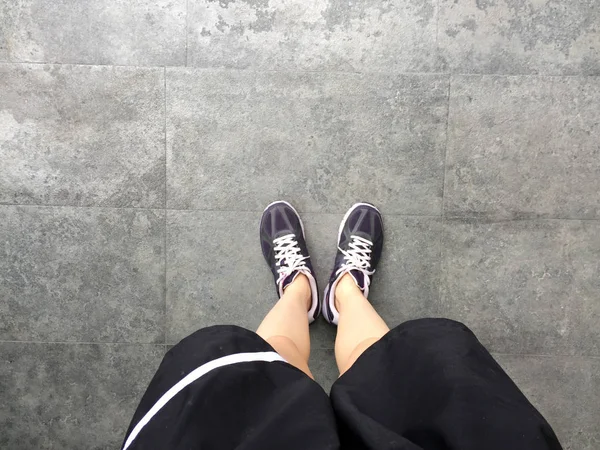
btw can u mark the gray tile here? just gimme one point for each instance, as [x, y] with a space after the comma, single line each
[82, 135]
[3, 42]
[321, 237]
[565, 390]
[321, 234]
[71, 396]
[523, 147]
[214, 279]
[406, 285]
[509, 36]
[320, 35]
[216, 273]
[322, 334]
[525, 286]
[323, 367]
[79, 274]
[138, 32]
[239, 140]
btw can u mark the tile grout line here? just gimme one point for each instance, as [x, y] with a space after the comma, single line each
[165, 134]
[165, 214]
[300, 211]
[437, 29]
[448, 219]
[165, 287]
[440, 303]
[480, 220]
[542, 355]
[25, 205]
[168, 344]
[442, 267]
[445, 161]
[187, 8]
[8, 341]
[325, 72]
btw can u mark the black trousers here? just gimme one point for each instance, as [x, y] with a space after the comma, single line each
[428, 384]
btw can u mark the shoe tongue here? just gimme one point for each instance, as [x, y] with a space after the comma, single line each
[359, 278]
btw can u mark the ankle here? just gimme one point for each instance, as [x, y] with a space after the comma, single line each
[346, 288]
[300, 289]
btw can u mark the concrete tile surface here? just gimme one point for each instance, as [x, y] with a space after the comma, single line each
[523, 147]
[525, 286]
[323, 367]
[82, 135]
[231, 144]
[71, 396]
[316, 35]
[566, 390]
[122, 32]
[214, 274]
[3, 46]
[406, 284]
[212, 278]
[131, 187]
[558, 37]
[208, 283]
[81, 275]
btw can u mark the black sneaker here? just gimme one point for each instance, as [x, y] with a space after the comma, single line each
[360, 241]
[284, 248]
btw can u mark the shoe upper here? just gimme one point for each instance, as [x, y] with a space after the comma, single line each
[360, 243]
[284, 248]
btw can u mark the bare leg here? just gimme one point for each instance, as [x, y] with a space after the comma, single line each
[359, 325]
[285, 327]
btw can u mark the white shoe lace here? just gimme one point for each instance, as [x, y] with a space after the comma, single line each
[288, 252]
[357, 257]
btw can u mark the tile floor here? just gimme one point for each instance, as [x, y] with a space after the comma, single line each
[140, 140]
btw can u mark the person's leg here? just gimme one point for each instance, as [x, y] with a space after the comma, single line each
[285, 327]
[345, 304]
[284, 248]
[359, 325]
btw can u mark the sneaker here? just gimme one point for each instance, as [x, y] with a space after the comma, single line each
[284, 248]
[360, 241]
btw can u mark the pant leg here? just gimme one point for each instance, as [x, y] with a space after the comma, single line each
[429, 384]
[225, 388]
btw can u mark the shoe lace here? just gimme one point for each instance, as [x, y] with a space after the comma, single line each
[357, 257]
[288, 256]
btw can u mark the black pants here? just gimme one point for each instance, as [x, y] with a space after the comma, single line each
[428, 384]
